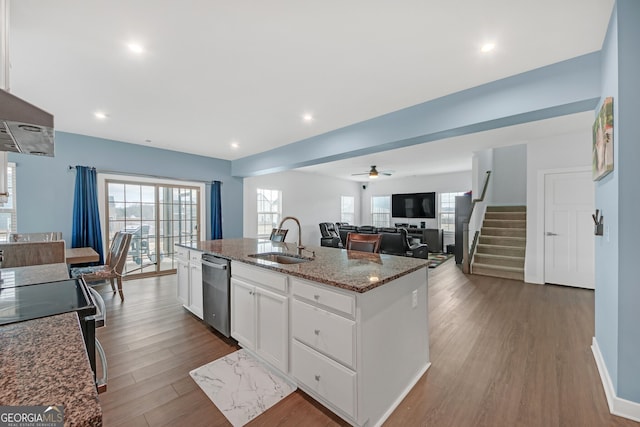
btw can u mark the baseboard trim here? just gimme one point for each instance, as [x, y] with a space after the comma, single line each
[404, 393]
[617, 406]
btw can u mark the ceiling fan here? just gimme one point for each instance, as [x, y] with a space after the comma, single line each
[373, 173]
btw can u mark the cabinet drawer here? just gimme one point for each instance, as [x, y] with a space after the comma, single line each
[260, 276]
[182, 253]
[195, 256]
[326, 332]
[325, 297]
[328, 379]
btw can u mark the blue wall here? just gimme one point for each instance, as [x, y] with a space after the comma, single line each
[45, 185]
[606, 247]
[617, 289]
[628, 132]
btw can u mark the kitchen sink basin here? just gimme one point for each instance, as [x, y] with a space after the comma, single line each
[281, 258]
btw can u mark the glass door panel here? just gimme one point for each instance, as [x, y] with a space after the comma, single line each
[158, 216]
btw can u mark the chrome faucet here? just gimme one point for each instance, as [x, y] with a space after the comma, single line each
[300, 247]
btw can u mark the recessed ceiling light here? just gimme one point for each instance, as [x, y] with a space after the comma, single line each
[135, 48]
[100, 115]
[307, 117]
[487, 47]
[235, 145]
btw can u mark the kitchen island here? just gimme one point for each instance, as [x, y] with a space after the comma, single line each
[44, 361]
[349, 328]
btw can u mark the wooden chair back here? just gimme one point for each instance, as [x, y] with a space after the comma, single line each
[22, 254]
[363, 242]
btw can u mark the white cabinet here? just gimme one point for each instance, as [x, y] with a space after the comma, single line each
[355, 353]
[359, 353]
[260, 314]
[182, 274]
[189, 278]
[272, 338]
[324, 344]
[243, 313]
[195, 289]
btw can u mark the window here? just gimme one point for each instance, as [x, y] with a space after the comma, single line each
[348, 209]
[381, 211]
[8, 214]
[269, 211]
[158, 215]
[448, 211]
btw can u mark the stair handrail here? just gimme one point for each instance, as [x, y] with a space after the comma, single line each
[467, 253]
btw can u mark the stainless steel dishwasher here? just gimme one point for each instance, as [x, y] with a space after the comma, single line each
[216, 279]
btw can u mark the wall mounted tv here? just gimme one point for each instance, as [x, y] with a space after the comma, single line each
[414, 205]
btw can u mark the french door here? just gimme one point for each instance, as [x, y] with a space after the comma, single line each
[158, 215]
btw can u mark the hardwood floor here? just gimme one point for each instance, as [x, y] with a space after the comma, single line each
[503, 353]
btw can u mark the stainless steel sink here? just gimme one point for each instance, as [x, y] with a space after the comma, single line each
[281, 258]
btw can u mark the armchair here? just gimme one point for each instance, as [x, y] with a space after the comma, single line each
[329, 235]
[396, 242]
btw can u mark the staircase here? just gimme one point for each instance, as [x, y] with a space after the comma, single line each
[501, 246]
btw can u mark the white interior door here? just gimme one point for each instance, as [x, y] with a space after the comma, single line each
[569, 238]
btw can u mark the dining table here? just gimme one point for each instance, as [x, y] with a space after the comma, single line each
[81, 255]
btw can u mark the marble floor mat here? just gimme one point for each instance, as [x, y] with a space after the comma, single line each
[240, 386]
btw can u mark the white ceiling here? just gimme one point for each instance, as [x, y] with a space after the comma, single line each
[214, 72]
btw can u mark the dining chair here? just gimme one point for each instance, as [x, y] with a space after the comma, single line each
[278, 234]
[23, 254]
[363, 242]
[114, 265]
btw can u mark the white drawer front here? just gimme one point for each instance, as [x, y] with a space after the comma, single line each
[329, 379]
[326, 332]
[182, 253]
[323, 296]
[260, 276]
[195, 256]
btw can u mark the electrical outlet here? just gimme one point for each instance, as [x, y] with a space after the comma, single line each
[414, 299]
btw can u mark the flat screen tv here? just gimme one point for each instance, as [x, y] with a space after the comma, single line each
[414, 205]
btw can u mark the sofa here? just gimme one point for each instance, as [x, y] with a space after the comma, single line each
[394, 240]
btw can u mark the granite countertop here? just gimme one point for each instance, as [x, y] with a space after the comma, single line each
[44, 362]
[20, 276]
[352, 270]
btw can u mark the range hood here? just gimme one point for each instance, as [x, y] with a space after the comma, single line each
[24, 128]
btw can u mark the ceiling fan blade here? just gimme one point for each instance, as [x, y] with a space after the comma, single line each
[385, 173]
[356, 174]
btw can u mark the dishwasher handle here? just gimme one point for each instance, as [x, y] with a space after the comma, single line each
[218, 266]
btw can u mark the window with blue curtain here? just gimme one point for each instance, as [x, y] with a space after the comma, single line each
[86, 217]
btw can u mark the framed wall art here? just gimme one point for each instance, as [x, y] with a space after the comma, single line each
[603, 141]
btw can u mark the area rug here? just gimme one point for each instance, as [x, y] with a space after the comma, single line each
[240, 386]
[437, 259]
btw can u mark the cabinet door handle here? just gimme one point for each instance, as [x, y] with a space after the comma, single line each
[317, 377]
[317, 331]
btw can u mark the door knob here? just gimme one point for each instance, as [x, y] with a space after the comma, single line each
[548, 233]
